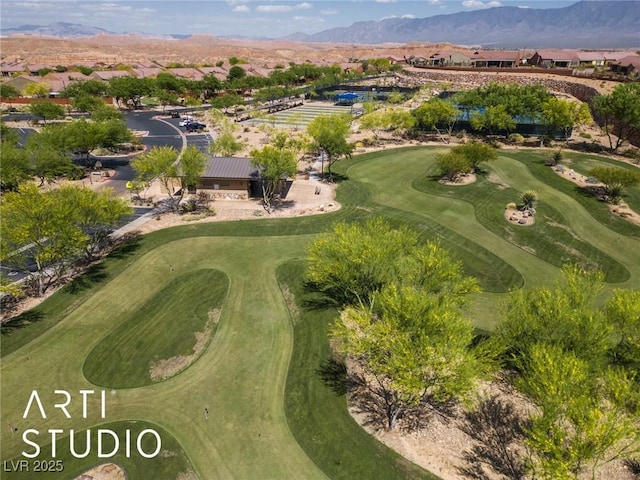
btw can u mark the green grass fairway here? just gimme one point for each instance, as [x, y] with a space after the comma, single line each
[123, 358]
[276, 408]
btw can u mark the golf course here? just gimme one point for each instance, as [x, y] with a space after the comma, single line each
[206, 334]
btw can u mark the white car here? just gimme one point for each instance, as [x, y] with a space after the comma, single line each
[185, 122]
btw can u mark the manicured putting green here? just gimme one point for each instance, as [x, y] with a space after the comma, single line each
[164, 328]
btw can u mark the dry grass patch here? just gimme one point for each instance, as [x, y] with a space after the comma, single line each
[162, 369]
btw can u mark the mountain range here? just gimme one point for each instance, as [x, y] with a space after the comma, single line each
[587, 24]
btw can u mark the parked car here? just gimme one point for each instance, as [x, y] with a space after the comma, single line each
[185, 122]
[195, 126]
[175, 115]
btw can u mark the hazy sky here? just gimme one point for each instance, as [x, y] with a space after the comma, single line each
[266, 18]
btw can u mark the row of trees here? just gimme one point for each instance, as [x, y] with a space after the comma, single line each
[55, 229]
[169, 89]
[55, 150]
[402, 326]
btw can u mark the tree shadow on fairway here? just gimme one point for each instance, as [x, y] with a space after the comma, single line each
[335, 178]
[94, 275]
[334, 375]
[496, 429]
[129, 244]
[21, 321]
[317, 301]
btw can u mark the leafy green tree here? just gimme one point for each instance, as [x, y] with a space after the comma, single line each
[190, 170]
[236, 73]
[354, 261]
[494, 118]
[210, 85]
[169, 83]
[105, 112]
[95, 213]
[8, 135]
[42, 222]
[86, 103]
[439, 115]
[159, 163]
[402, 322]
[412, 345]
[561, 315]
[14, 166]
[46, 110]
[453, 164]
[226, 101]
[329, 135]
[623, 311]
[44, 71]
[581, 419]
[48, 164]
[564, 115]
[477, 153]
[130, 89]
[275, 165]
[226, 144]
[8, 92]
[619, 111]
[91, 87]
[37, 90]
[615, 180]
[166, 98]
[83, 69]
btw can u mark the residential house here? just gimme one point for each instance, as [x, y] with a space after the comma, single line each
[590, 59]
[628, 66]
[20, 82]
[555, 59]
[10, 69]
[611, 58]
[106, 75]
[58, 81]
[447, 59]
[147, 72]
[495, 58]
[186, 72]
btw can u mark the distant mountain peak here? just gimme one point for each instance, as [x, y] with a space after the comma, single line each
[585, 24]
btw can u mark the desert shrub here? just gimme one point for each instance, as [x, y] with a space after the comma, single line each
[511, 205]
[632, 153]
[586, 135]
[191, 217]
[189, 206]
[516, 138]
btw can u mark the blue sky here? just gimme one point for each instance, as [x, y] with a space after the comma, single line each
[267, 18]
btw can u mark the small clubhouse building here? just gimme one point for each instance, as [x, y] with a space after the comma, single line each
[230, 178]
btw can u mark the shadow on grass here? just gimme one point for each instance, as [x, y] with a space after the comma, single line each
[495, 428]
[128, 246]
[94, 275]
[334, 375]
[21, 321]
